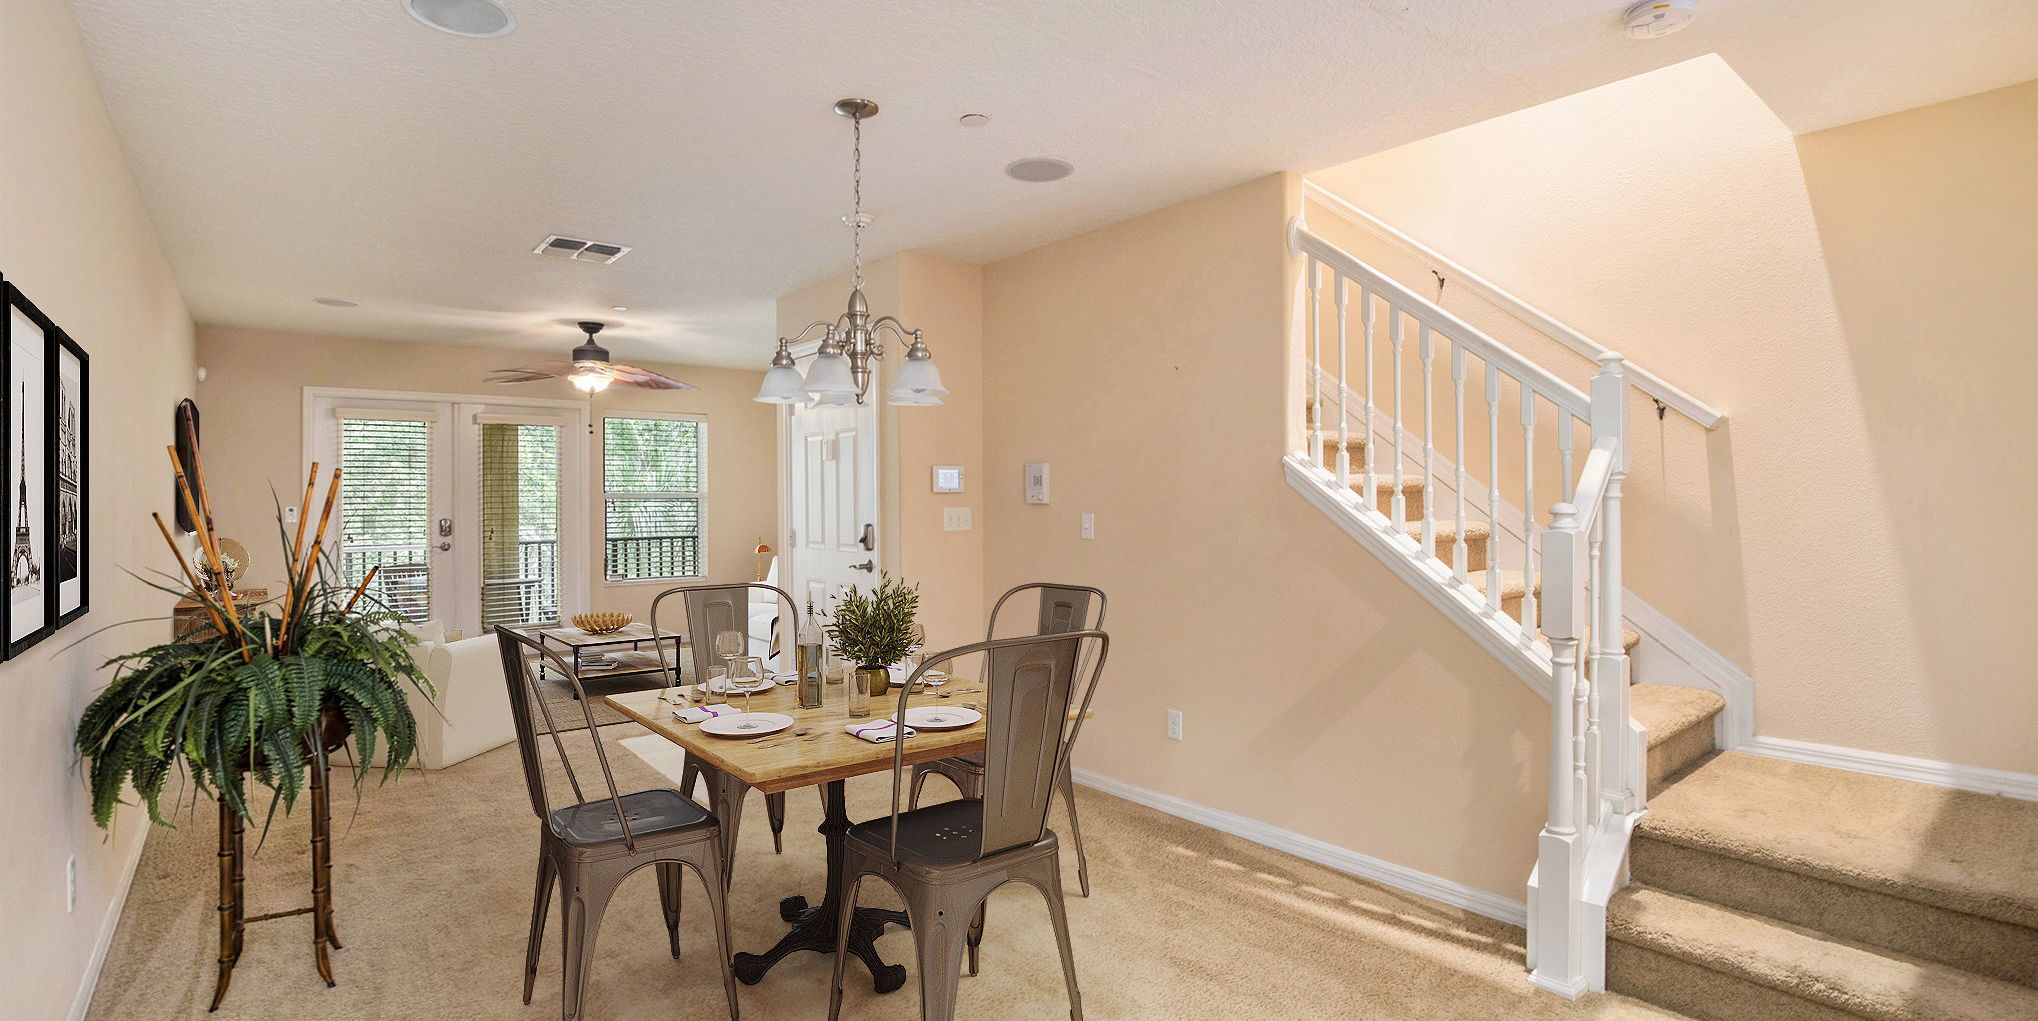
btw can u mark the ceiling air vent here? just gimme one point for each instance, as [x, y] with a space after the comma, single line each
[582, 251]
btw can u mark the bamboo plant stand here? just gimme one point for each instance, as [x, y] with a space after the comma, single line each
[233, 917]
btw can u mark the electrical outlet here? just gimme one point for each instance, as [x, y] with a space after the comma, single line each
[955, 519]
[289, 515]
[71, 883]
[1174, 724]
[1089, 526]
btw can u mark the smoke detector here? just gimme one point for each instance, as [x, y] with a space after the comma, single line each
[1653, 18]
[579, 250]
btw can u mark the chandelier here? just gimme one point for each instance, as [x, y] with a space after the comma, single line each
[850, 349]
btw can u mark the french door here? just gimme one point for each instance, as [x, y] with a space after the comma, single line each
[466, 511]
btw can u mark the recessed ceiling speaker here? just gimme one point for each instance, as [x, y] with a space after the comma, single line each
[475, 19]
[1039, 169]
[1653, 18]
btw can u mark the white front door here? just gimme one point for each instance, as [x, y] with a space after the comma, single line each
[469, 513]
[832, 525]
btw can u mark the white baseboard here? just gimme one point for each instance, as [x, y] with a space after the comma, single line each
[109, 923]
[2023, 786]
[1386, 873]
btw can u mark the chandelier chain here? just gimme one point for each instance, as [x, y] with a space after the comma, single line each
[856, 178]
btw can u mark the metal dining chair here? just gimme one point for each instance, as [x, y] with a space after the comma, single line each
[711, 610]
[1063, 608]
[946, 859]
[589, 846]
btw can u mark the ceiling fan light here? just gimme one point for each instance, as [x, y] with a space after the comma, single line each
[829, 375]
[589, 383]
[782, 385]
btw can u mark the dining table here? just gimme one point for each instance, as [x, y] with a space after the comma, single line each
[826, 756]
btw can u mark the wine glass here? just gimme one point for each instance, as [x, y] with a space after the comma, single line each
[747, 672]
[916, 640]
[729, 645]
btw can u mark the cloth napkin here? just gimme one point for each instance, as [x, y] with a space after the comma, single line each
[876, 731]
[697, 713]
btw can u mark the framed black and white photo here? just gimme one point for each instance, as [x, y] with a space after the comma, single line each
[69, 404]
[29, 338]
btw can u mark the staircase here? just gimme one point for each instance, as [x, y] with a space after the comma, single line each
[1715, 883]
[1773, 889]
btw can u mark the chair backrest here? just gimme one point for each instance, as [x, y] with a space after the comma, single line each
[1063, 608]
[1036, 694]
[521, 658]
[711, 610]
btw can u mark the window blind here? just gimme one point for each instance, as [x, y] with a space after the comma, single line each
[519, 486]
[386, 510]
[653, 472]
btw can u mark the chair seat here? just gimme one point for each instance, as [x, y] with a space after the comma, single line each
[650, 813]
[949, 833]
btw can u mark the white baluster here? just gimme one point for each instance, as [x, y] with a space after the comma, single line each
[1493, 486]
[1344, 456]
[1528, 512]
[1595, 740]
[1624, 757]
[1372, 449]
[1429, 448]
[1564, 420]
[1316, 367]
[1458, 554]
[1400, 514]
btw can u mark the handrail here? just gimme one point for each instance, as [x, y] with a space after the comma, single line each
[1642, 379]
[1593, 481]
[1422, 310]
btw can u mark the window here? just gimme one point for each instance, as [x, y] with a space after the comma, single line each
[386, 508]
[519, 488]
[654, 479]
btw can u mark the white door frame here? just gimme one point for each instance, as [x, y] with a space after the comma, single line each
[320, 440]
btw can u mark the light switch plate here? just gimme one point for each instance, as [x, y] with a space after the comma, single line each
[1036, 482]
[948, 478]
[1089, 526]
[955, 519]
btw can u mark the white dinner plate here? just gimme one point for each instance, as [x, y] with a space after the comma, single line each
[940, 717]
[746, 724]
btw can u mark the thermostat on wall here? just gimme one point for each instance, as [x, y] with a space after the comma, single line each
[948, 478]
[1036, 482]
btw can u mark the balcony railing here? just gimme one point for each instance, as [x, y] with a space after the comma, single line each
[652, 556]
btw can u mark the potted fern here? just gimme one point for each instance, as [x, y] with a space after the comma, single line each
[875, 630]
[264, 694]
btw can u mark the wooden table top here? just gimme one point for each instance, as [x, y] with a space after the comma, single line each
[573, 637]
[832, 754]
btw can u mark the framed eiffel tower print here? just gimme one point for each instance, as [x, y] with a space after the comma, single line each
[70, 440]
[30, 336]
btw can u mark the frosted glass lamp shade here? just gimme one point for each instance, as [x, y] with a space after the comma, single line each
[834, 400]
[918, 378]
[590, 382]
[782, 385]
[830, 375]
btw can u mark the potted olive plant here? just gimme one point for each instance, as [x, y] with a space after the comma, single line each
[875, 630]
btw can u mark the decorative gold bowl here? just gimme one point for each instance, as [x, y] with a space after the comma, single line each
[606, 623]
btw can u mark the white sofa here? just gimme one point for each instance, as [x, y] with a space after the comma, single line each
[473, 712]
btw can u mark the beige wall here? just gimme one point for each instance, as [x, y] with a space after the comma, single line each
[1144, 361]
[1856, 301]
[76, 239]
[253, 402]
[942, 298]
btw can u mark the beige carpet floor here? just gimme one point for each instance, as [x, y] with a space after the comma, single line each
[433, 886]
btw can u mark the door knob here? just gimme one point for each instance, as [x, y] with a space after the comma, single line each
[869, 539]
[868, 565]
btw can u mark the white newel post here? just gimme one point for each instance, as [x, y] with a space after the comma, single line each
[1560, 848]
[1623, 759]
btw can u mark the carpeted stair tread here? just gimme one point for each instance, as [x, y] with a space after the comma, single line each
[1668, 710]
[1447, 530]
[1384, 483]
[1845, 977]
[1513, 584]
[1958, 850]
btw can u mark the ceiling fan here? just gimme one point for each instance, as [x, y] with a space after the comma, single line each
[590, 370]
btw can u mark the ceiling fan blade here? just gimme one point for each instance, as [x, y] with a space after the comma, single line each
[532, 373]
[645, 379]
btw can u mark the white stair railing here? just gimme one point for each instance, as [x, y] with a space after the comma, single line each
[1562, 631]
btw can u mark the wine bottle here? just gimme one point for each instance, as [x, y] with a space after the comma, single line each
[807, 641]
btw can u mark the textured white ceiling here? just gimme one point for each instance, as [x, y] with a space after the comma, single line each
[291, 151]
